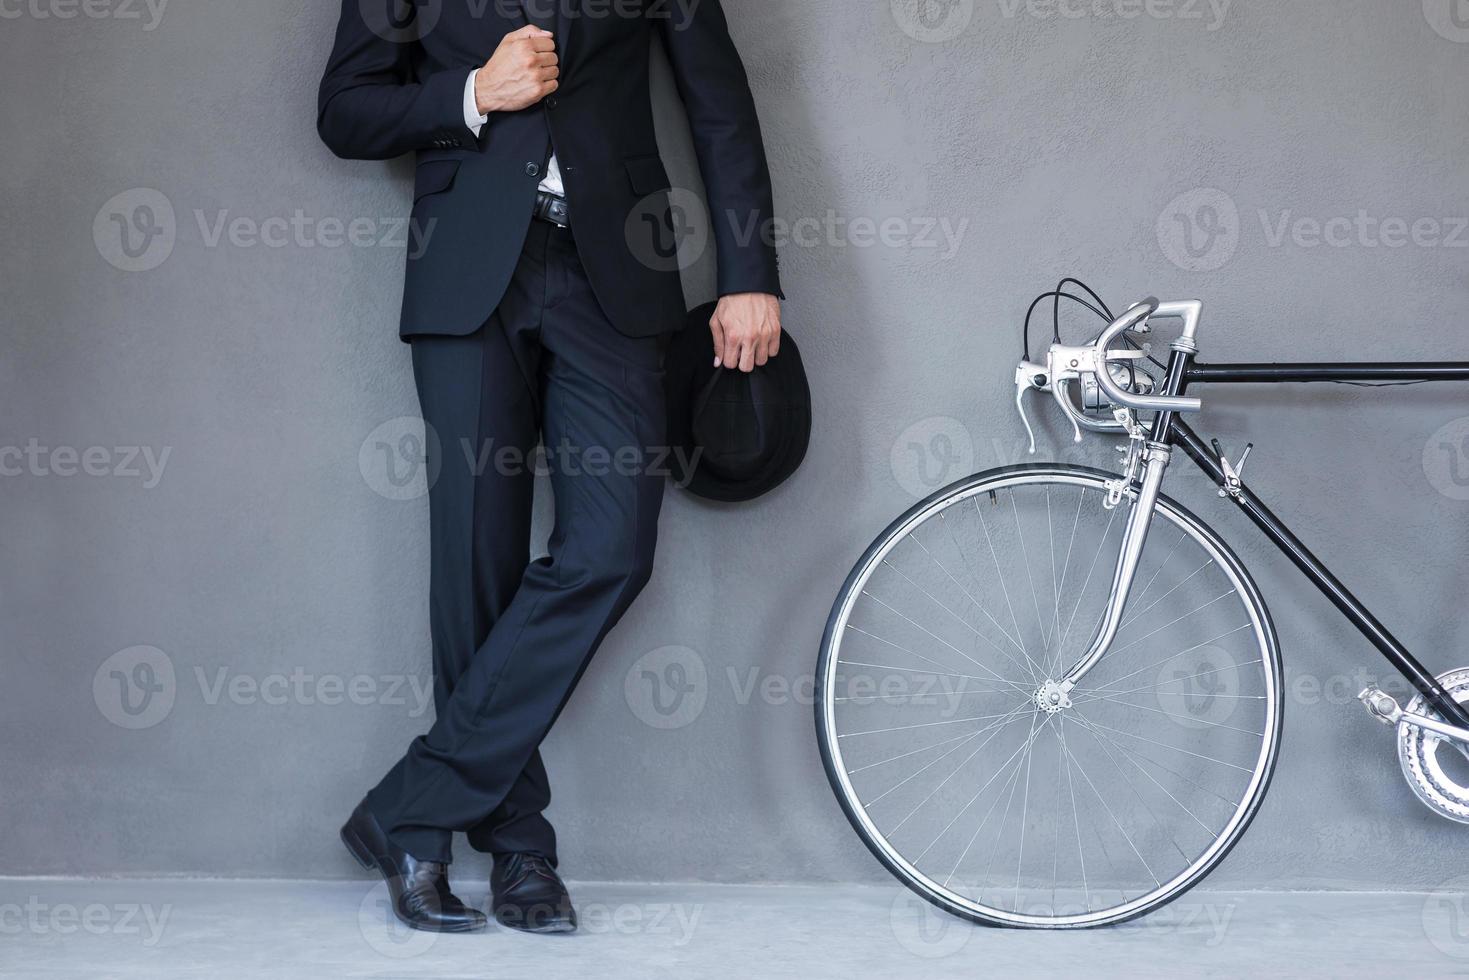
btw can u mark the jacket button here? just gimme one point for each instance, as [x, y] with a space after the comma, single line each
[532, 170]
[552, 102]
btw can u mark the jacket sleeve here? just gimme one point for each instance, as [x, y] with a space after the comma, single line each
[726, 130]
[370, 105]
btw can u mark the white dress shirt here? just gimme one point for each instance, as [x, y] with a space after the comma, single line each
[472, 118]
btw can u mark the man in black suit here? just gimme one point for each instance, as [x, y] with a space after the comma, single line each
[539, 309]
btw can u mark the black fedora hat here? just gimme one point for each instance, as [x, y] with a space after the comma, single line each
[734, 435]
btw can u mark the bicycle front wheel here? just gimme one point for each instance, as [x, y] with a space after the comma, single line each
[961, 778]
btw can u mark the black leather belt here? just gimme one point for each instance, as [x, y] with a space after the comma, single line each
[552, 208]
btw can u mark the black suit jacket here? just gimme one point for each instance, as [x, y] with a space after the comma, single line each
[395, 84]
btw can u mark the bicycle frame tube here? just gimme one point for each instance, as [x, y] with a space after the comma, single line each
[1340, 596]
[1174, 432]
[1363, 373]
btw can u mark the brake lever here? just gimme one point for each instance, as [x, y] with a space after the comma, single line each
[1028, 377]
[1061, 391]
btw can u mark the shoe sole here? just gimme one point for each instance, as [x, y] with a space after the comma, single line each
[369, 861]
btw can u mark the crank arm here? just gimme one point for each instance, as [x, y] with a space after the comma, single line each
[1384, 707]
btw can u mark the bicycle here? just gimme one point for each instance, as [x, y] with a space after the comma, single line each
[1049, 696]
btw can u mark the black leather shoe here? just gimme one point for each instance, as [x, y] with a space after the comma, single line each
[527, 894]
[419, 889]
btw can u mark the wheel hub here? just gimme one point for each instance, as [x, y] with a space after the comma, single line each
[1052, 698]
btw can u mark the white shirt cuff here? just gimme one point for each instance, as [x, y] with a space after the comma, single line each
[472, 117]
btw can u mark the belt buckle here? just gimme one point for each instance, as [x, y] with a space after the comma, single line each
[554, 209]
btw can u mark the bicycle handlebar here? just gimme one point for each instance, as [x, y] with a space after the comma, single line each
[1067, 364]
[1136, 319]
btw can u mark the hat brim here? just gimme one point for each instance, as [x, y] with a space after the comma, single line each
[689, 365]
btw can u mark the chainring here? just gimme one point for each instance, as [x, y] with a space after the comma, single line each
[1420, 752]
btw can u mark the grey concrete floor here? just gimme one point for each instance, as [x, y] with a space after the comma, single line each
[236, 929]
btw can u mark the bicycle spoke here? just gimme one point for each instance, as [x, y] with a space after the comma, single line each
[913, 653]
[1035, 598]
[1090, 570]
[992, 727]
[1132, 786]
[904, 755]
[1192, 721]
[1138, 615]
[1196, 755]
[967, 594]
[1129, 756]
[913, 670]
[945, 642]
[1004, 586]
[1173, 656]
[961, 620]
[1118, 824]
[951, 775]
[929, 724]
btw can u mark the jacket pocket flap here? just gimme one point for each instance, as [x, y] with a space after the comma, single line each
[646, 174]
[433, 177]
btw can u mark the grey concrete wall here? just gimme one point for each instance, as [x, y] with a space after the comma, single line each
[266, 573]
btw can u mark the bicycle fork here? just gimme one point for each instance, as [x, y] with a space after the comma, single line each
[1154, 459]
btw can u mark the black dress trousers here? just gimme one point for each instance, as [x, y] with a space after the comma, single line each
[511, 637]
